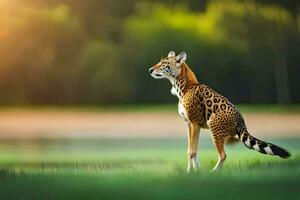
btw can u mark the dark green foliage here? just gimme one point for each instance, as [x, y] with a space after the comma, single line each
[95, 51]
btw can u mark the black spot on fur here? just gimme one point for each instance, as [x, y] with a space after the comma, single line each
[215, 108]
[216, 100]
[207, 94]
[223, 106]
[208, 115]
[209, 103]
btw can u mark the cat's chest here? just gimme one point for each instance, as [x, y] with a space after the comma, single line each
[177, 90]
[182, 111]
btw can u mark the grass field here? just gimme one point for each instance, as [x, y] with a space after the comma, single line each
[142, 169]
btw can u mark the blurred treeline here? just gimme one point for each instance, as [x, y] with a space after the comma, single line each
[99, 51]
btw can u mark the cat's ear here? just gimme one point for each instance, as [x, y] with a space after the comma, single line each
[181, 58]
[171, 54]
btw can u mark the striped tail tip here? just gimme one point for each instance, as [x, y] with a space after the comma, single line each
[263, 147]
[280, 151]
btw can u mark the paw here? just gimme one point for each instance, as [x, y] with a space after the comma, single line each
[214, 170]
[196, 163]
[190, 165]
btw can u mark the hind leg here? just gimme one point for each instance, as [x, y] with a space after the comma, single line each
[219, 140]
[219, 144]
[222, 126]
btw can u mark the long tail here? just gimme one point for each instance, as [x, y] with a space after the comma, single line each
[263, 147]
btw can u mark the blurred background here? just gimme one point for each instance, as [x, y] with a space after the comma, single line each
[80, 68]
[98, 52]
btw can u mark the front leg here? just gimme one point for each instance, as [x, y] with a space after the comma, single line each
[190, 160]
[193, 137]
